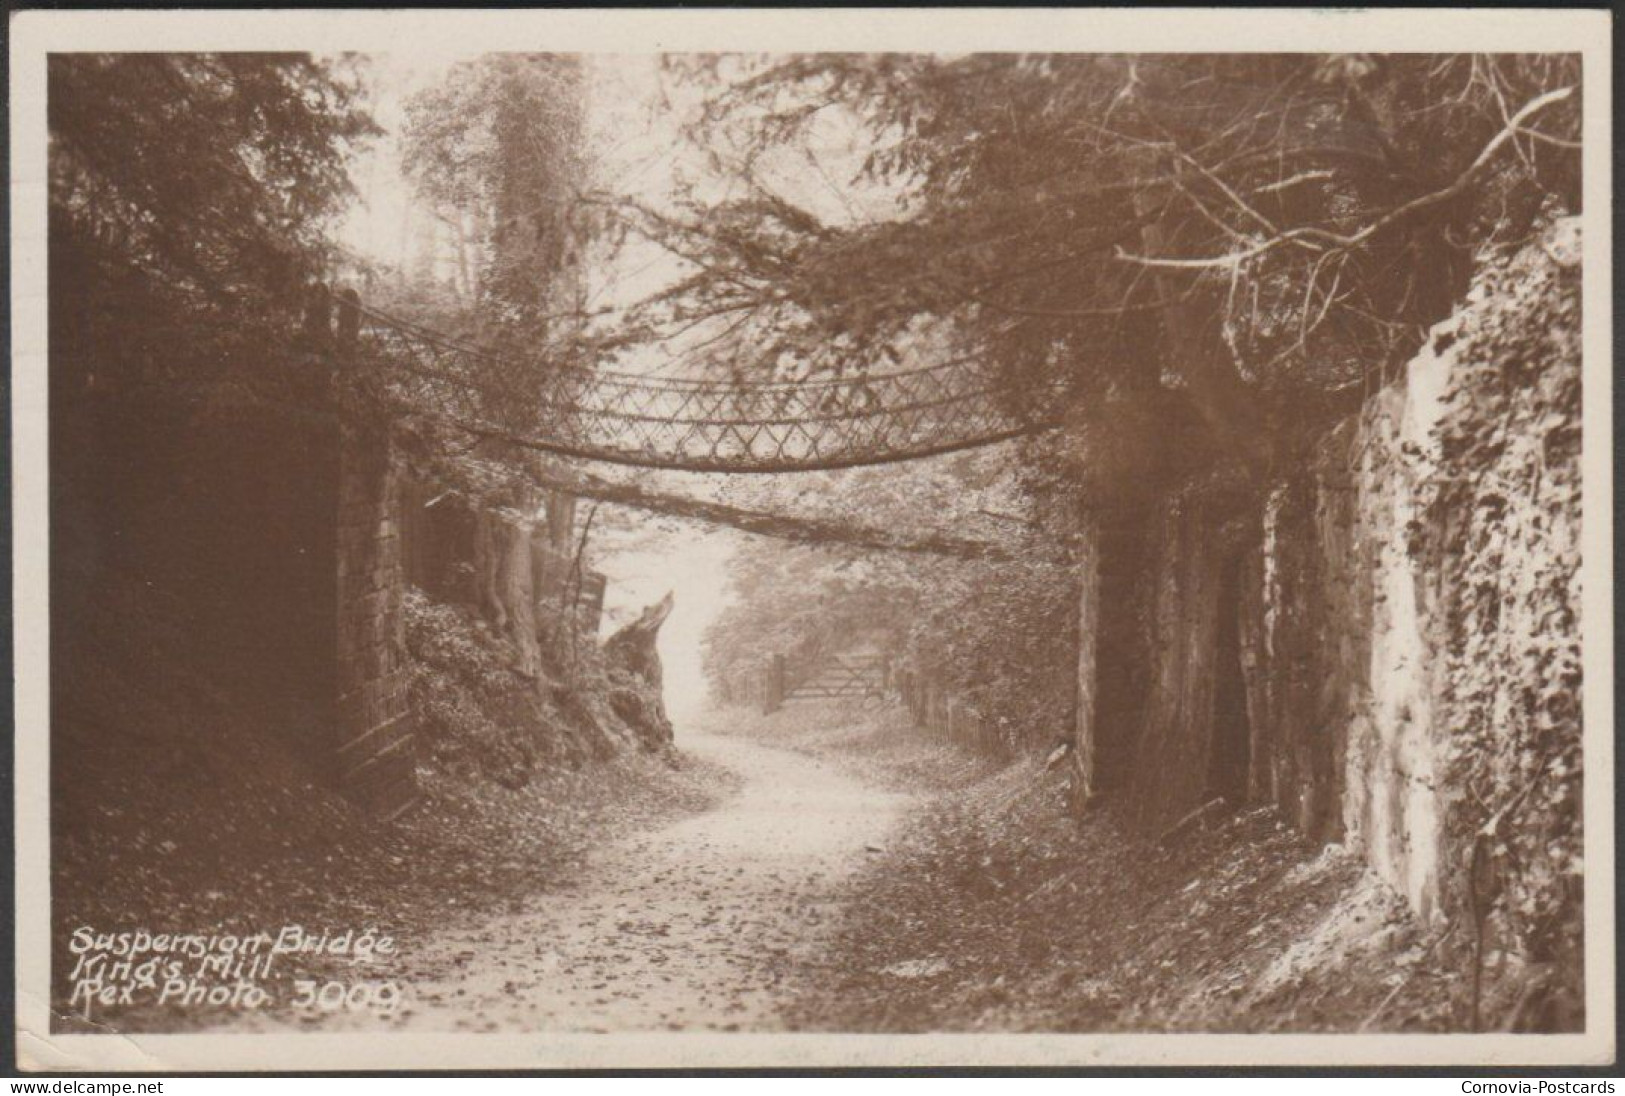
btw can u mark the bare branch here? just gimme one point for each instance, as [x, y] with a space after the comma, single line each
[804, 530]
[1455, 189]
[1302, 236]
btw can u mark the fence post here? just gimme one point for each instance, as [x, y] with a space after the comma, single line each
[774, 700]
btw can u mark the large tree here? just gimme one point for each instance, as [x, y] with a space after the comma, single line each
[495, 151]
[1261, 233]
[217, 176]
[1202, 259]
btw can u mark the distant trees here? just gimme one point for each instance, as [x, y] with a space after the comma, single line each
[495, 152]
[1000, 632]
[997, 627]
[793, 600]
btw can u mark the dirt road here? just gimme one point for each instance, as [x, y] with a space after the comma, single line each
[704, 924]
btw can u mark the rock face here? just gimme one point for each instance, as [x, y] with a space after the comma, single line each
[1416, 624]
[1499, 523]
[635, 672]
[1400, 618]
[504, 639]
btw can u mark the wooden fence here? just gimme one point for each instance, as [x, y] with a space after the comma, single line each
[935, 708]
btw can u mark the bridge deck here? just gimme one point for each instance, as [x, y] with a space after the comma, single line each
[694, 424]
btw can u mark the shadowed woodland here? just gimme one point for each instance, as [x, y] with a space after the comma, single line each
[1151, 485]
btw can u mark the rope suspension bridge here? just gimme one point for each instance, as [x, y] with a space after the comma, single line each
[699, 425]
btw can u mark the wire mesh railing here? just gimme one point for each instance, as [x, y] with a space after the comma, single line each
[698, 425]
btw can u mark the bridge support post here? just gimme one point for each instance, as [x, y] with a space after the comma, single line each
[374, 750]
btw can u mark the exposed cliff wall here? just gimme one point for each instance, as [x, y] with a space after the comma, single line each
[1339, 664]
[1171, 758]
[257, 539]
[1401, 617]
[503, 686]
[1500, 524]
[1306, 638]
[1114, 669]
[1415, 670]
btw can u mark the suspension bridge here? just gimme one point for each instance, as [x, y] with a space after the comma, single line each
[699, 425]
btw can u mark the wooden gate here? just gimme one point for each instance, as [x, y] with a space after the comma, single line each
[842, 676]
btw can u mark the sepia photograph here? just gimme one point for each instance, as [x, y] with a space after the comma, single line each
[601, 540]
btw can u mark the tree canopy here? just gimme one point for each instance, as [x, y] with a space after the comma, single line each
[219, 175]
[1257, 231]
[1226, 250]
[494, 151]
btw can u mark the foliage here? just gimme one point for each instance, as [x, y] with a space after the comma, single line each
[215, 174]
[996, 631]
[1252, 226]
[494, 153]
[459, 683]
[801, 601]
[1509, 612]
[479, 715]
[1227, 249]
[494, 150]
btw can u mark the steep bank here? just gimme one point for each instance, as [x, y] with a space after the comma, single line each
[995, 910]
[177, 808]
[1382, 637]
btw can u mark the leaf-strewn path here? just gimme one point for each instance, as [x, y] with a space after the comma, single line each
[698, 925]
